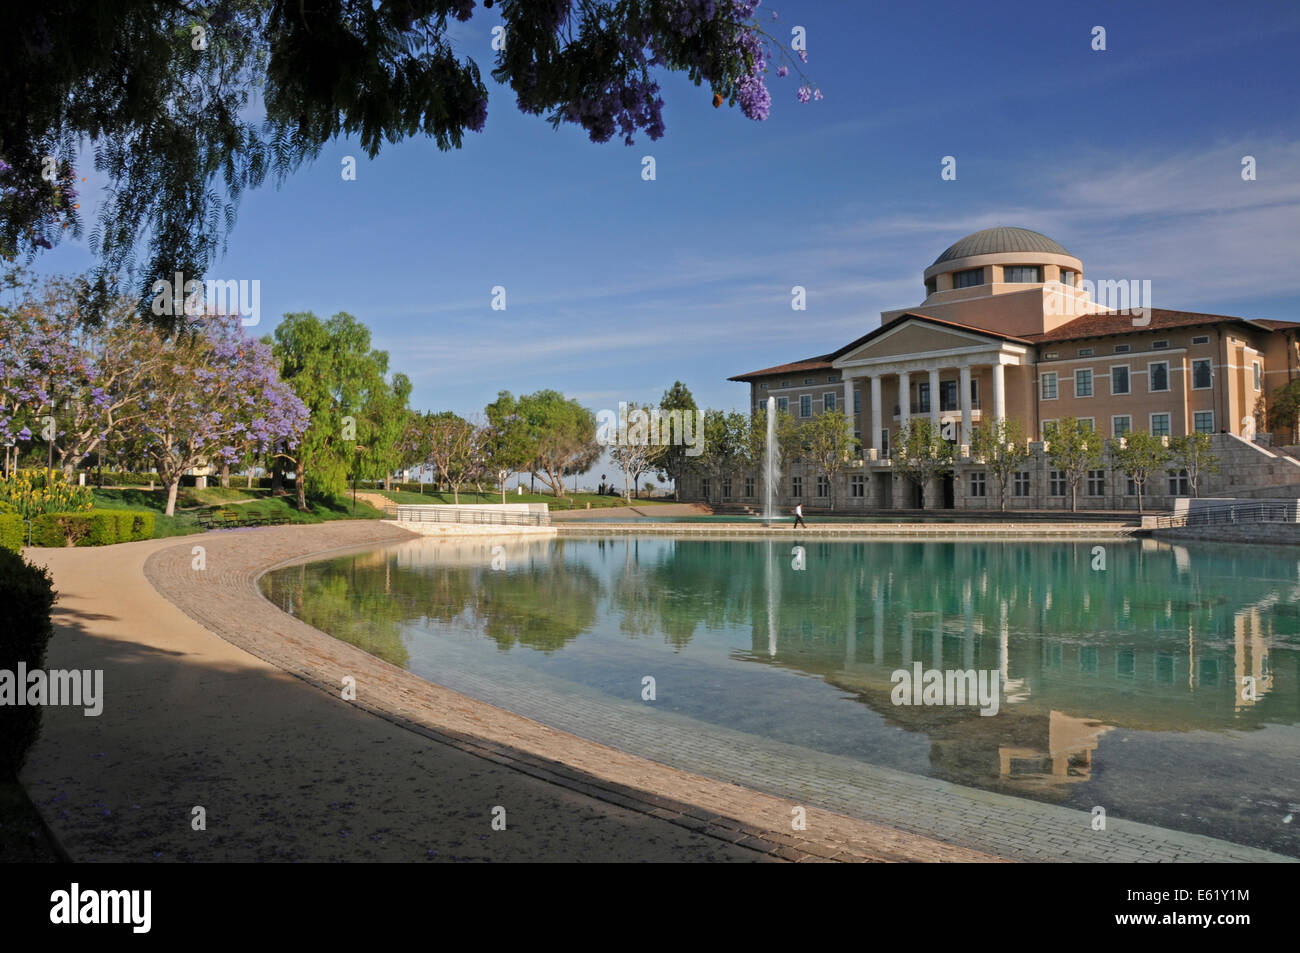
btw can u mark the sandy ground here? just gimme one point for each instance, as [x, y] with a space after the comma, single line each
[248, 730]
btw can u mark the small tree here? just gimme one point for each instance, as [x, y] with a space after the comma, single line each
[1138, 454]
[923, 454]
[1001, 444]
[632, 451]
[1284, 414]
[829, 443]
[1074, 449]
[726, 437]
[1192, 453]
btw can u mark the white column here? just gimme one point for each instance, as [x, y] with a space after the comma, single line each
[934, 398]
[876, 426]
[999, 392]
[963, 385]
[904, 397]
[848, 401]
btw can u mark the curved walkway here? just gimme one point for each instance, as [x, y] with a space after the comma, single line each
[249, 726]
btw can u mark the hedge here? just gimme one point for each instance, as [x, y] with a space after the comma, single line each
[96, 528]
[13, 532]
[27, 595]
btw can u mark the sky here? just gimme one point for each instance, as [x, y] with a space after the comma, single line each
[616, 286]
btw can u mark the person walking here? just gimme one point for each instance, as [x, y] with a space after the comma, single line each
[798, 516]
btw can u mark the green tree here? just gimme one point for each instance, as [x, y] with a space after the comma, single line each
[563, 435]
[1138, 454]
[725, 437]
[829, 444]
[1074, 448]
[1000, 444]
[1284, 412]
[334, 371]
[675, 462]
[1193, 454]
[632, 450]
[922, 455]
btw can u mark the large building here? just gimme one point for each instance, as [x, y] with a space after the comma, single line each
[1010, 327]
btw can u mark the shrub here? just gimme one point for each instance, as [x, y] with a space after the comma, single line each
[74, 529]
[27, 595]
[13, 532]
[98, 528]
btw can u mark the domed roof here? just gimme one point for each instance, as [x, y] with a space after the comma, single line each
[990, 241]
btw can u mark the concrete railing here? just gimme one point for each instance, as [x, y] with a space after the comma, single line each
[1261, 511]
[494, 515]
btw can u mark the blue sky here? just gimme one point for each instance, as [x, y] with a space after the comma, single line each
[616, 286]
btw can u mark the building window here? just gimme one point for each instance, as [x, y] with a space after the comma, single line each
[763, 386]
[1121, 425]
[796, 486]
[785, 383]
[1160, 425]
[823, 485]
[1068, 277]
[704, 487]
[1258, 375]
[1085, 352]
[1204, 421]
[726, 488]
[1049, 429]
[858, 485]
[969, 278]
[947, 395]
[884, 442]
[1022, 274]
[809, 380]
[1020, 484]
[1119, 379]
[833, 379]
[749, 486]
[1088, 423]
[1049, 385]
[857, 401]
[1179, 485]
[1056, 483]
[978, 484]
[828, 401]
[923, 398]
[805, 405]
[1201, 339]
[1158, 376]
[1083, 383]
[1159, 345]
[1121, 348]
[1202, 376]
[783, 404]
[1051, 355]
[1096, 483]
[1130, 488]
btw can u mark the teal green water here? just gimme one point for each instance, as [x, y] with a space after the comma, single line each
[1164, 686]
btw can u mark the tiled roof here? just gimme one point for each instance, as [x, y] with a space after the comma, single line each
[1104, 325]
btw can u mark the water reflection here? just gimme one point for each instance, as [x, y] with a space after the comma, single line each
[1167, 640]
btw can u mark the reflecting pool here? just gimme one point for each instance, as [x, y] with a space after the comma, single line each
[1162, 681]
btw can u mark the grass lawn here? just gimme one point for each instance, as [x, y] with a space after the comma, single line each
[190, 503]
[572, 501]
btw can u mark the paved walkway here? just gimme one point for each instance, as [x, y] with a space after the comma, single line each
[250, 727]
